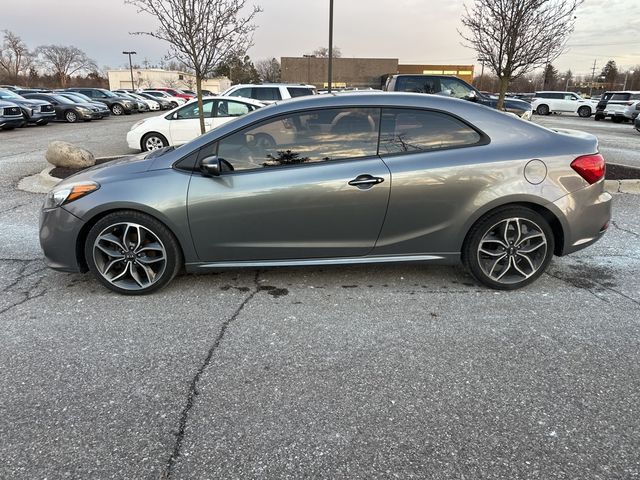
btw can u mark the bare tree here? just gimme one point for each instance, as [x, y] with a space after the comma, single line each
[15, 57]
[201, 33]
[518, 36]
[268, 70]
[63, 61]
[323, 52]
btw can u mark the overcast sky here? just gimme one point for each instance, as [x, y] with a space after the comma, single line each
[415, 31]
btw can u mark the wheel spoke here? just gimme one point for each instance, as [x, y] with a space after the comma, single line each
[506, 269]
[534, 247]
[148, 271]
[520, 271]
[491, 254]
[111, 264]
[494, 240]
[111, 253]
[121, 275]
[135, 275]
[150, 247]
[520, 255]
[111, 238]
[495, 264]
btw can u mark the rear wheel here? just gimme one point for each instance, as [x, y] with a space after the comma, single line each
[509, 248]
[584, 112]
[617, 119]
[542, 110]
[153, 141]
[132, 253]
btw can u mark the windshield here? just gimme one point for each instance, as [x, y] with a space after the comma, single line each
[73, 98]
[8, 94]
[81, 96]
[60, 99]
[109, 93]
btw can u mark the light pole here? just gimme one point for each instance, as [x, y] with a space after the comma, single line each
[566, 85]
[131, 67]
[330, 45]
[481, 60]
[626, 77]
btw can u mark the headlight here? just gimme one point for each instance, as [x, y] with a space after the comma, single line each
[128, 104]
[83, 109]
[69, 193]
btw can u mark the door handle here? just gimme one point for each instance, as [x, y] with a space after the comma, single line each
[365, 181]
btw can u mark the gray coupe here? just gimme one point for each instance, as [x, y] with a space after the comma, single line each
[337, 179]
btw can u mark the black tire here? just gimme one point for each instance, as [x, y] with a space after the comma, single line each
[617, 119]
[173, 105]
[543, 109]
[117, 109]
[584, 112]
[519, 262]
[153, 138]
[42, 123]
[71, 116]
[172, 263]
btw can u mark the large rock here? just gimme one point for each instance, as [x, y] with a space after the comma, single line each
[63, 154]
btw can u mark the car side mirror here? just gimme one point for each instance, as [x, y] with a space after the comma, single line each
[471, 96]
[211, 166]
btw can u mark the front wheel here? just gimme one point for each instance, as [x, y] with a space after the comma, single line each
[153, 141]
[132, 253]
[71, 116]
[509, 248]
[584, 112]
[117, 109]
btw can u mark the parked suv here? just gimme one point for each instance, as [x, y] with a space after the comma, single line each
[34, 111]
[455, 87]
[117, 104]
[10, 116]
[270, 92]
[613, 105]
[545, 103]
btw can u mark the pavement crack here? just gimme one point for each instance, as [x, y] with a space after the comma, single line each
[626, 230]
[577, 285]
[193, 389]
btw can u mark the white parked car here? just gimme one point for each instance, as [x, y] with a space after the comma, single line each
[632, 110]
[544, 103]
[153, 105]
[182, 124]
[618, 106]
[174, 100]
[270, 92]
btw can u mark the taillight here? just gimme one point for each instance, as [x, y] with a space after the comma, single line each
[590, 167]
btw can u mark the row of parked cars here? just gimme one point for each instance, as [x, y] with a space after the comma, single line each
[619, 106]
[23, 106]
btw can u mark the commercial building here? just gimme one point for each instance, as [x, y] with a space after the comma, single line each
[359, 72]
[156, 77]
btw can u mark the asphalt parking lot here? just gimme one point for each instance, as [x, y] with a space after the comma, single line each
[346, 372]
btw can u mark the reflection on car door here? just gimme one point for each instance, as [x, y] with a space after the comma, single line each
[306, 198]
[225, 110]
[185, 123]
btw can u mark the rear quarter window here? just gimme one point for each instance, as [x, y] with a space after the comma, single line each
[299, 91]
[412, 131]
[266, 93]
[417, 84]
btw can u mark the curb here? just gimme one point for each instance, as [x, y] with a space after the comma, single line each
[622, 186]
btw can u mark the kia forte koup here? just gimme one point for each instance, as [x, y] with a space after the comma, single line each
[337, 179]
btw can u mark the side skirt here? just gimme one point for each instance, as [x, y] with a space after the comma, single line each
[439, 258]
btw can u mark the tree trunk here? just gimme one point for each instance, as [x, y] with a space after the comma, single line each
[504, 84]
[200, 107]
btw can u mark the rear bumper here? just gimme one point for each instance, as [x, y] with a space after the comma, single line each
[59, 232]
[586, 213]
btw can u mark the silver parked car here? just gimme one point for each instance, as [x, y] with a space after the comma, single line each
[337, 179]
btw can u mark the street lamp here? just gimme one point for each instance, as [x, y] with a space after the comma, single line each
[626, 77]
[130, 67]
[566, 85]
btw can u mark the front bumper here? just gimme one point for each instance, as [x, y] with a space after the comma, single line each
[11, 122]
[133, 140]
[40, 117]
[586, 213]
[59, 231]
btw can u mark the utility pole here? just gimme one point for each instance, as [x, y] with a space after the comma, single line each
[131, 68]
[626, 77]
[593, 77]
[330, 45]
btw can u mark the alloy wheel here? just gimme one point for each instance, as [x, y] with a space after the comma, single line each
[153, 143]
[117, 110]
[71, 116]
[512, 250]
[129, 256]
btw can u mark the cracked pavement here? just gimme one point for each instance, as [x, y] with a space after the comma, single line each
[343, 372]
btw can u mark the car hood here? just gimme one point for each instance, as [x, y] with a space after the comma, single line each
[113, 169]
[4, 103]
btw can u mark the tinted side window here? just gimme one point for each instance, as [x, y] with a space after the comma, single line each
[88, 93]
[307, 137]
[418, 84]
[299, 91]
[635, 96]
[617, 97]
[266, 93]
[406, 130]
